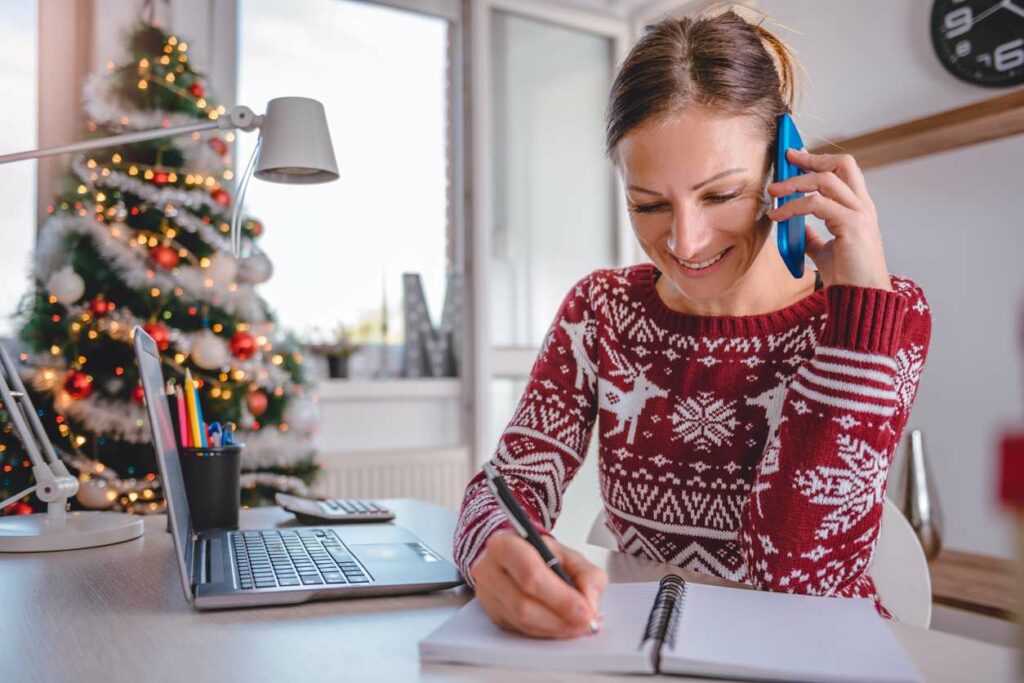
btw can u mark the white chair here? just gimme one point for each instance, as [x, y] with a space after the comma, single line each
[899, 567]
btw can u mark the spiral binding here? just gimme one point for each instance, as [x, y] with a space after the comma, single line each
[663, 620]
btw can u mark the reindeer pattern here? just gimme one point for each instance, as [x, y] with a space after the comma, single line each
[626, 406]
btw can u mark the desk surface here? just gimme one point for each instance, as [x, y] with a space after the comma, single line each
[118, 614]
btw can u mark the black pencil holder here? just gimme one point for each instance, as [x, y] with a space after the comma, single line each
[212, 485]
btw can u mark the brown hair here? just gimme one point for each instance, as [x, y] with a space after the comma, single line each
[722, 63]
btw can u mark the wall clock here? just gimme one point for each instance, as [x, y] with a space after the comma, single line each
[980, 41]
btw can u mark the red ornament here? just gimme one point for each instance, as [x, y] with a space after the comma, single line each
[78, 384]
[138, 395]
[221, 196]
[164, 256]
[256, 228]
[160, 335]
[160, 177]
[99, 306]
[257, 402]
[243, 345]
[197, 90]
[219, 146]
[19, 508]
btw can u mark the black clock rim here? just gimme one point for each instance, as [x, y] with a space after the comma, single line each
[937, 46]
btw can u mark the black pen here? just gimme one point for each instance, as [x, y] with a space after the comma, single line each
[524, 527]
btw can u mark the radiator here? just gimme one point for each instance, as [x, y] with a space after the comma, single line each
[437, 475]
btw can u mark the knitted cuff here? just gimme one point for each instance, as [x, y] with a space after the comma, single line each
[864, 319]
[468, 562]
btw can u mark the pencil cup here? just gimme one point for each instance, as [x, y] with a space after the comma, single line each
[212, 485]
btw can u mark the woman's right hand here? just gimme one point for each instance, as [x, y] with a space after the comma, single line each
[520, 593]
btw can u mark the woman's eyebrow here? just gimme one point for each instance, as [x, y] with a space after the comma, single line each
[637, 188]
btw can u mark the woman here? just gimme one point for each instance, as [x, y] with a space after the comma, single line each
[746, 419]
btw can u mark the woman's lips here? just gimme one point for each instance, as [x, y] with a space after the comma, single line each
[701, 269]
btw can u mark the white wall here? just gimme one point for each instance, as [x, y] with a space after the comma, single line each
[951, 221]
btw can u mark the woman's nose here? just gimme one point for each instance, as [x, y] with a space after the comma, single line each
[689, 236]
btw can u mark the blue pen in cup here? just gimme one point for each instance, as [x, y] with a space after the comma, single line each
[216, 434]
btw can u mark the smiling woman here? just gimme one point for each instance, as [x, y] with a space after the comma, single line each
[746, 419]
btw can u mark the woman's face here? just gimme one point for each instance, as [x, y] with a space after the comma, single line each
[694, 185]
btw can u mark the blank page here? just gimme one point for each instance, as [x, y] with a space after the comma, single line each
[757, 634]
[470, 637]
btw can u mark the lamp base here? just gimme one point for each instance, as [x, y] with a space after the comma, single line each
[38, 533]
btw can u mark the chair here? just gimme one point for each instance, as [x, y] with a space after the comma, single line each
[899, 567]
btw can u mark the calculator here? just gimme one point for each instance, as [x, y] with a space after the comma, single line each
[337, 510]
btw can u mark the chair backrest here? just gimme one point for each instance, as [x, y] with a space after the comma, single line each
[900, 570]
[899, 567]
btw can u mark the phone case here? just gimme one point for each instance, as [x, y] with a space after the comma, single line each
[791, 236]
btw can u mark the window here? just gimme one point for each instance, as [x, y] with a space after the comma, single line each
[554, 209]
[554, 214]
[382, 75]
[18, 82]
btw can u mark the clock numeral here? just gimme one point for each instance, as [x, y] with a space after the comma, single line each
[985, 59]
[1009, 55]
[963, 48]
[958, 22]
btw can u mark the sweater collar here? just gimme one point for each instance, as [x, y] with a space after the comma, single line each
[645, 275]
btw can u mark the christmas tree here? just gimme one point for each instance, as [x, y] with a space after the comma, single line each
[140, 236]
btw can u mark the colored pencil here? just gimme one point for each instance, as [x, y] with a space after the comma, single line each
[179, 398]
[199, 418]
[193, 414]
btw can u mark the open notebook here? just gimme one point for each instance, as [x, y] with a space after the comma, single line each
[679, 627]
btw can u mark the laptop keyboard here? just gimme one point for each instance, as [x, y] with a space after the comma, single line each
[294, 557]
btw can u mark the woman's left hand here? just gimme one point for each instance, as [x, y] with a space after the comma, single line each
[840, 198]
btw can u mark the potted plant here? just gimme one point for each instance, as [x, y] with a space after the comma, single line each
[337, 352]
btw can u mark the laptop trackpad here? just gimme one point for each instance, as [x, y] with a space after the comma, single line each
[394, 552]
[399, 562]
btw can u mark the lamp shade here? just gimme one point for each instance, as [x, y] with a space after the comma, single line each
[296, 144]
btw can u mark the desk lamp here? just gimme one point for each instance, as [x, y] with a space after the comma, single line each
[294, 147]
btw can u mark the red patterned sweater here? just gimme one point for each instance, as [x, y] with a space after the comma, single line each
[752, 448]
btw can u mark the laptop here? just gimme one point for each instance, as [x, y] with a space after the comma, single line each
[286, 564]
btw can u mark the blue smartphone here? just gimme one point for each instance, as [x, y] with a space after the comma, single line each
[791, 237]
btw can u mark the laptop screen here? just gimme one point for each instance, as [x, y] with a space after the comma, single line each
[166, 449]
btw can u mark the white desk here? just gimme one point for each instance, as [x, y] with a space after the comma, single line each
[118, 614]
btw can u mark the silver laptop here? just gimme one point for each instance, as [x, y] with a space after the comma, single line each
[282, 565]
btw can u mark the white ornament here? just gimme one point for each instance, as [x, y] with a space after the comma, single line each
[209, 351]
[96, 494]
[66, 285]
[255, 268]
[222, 269]
[302, 415]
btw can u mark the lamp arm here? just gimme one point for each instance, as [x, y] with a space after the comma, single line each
[239, 117]
[54, 484]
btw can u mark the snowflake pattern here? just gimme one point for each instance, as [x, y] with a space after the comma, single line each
[909, 364]
[705, 421]
[847, 421]
[852, 491]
